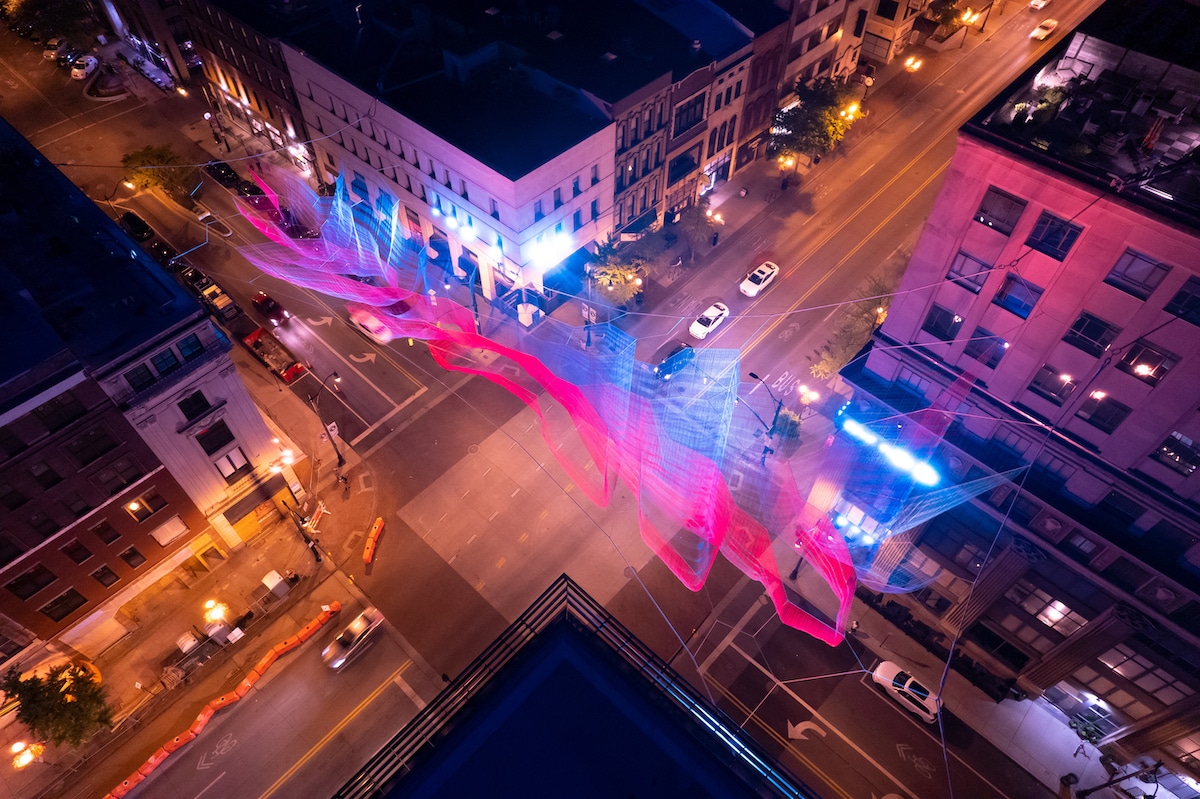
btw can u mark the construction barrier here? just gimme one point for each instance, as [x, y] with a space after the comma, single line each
[224, 700]
[372, 541]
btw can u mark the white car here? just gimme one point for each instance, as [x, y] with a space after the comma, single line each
[708, 321]
[1038, 5]
[1044, 29]
[352, 640]
[904, 688]
[84, 66]
[760, 279]
[370, 326]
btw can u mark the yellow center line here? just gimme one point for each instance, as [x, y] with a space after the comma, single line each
[319, 745]
[784, 742]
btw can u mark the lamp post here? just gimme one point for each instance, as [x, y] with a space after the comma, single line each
[767, 448]
[332, 437]
[911, 65]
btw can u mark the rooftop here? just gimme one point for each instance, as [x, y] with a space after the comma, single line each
[511, 89]
[1116, 104]
[568, 702]
[78, 280]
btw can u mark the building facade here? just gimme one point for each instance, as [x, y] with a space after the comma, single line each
[1050, 315]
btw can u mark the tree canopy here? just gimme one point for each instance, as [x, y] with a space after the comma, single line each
[158, 167]
[695, 223]
[817, 122]
[617, 274]
[73, 19]
[64, 707]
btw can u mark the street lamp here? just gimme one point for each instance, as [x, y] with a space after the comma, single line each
[332, 438]
[911, 65]
[778, 403]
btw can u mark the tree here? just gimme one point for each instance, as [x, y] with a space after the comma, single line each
[617, 274]
[159, 167]
[819, 120]
[64, 707]
[945, 14]
[853, 328]
[73, 19]
[696, 224]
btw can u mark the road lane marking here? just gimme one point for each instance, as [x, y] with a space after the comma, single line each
[329, 736]
[210, 785]
[383, 419]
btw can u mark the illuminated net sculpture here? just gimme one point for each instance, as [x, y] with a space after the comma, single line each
[690, 451]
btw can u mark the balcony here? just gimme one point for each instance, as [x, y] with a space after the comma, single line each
[212, 352]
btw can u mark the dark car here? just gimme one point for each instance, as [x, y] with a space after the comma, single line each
[265, 304]
[194, 279]
[671, 358]
[136, 226]
[69, 56]
[223, 174]
[162, 252]
[248, 188]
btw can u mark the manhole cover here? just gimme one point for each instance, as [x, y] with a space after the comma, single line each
[473, 449]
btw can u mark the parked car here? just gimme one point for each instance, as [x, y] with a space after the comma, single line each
[69, 55]
[760, 279]
[223, 174]
[84, 66]
[194, 279]
[1038, 5]
[136, 226]
[52, 46]
[904, 688]
[1044, 29]
[248, 188]
[162, 252]
[671, 358]
[265, 304]
[708, 321]
[353, 640]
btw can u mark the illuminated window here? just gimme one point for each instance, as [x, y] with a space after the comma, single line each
[190, 347]
[1136, 274]
[233, 465]
[1179, 453]
[1000, 211]
[985, 347]
[165, 362]
[1145, 674]
[1102, 411]
[943, 323]
[1053, 236]
[1017, 295]
[1053, 384]
[1147, 363]
[1045, 608]
[1091, 334]
[145, 506]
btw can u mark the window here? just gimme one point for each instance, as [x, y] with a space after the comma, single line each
[689, 114]
[1144, 673]
[145, 506]
[77, 552]
[64, 605]
[1080, 546]
[232, 465]
[1186, 302]
[1000, 211]
[495, 209]
[1147, 363]
[1017, 295]
[968, 272]
[140, 377]
[91, 445]
[1049, 611]
[214, 438]
[908, 379]
[985, 347]
[971, 557]
[194, 405]
[32, 581]
[558, 198]
[1179, 452]
[43, 525]
[1120, 509]
[942, 323]
[106, 532]
[575, 190]
[595, 209]
[577, 219]
[9, 550]
[76, 505]
[538, 213]
[105, 576]
[887, 9]
[190, 347]
[133, 557]
[165, 362]
[10, 497]
[1053, 236]
[10, 442]
[1091, 334]
[60, 411]
[45, 474]
[120, 474]
[1136, 274]
[595, 175]
[1102, 411]
[1053, 384]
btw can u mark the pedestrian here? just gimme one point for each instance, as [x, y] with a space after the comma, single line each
[853, 626]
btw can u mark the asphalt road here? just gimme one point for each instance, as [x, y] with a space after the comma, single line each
[480, 518]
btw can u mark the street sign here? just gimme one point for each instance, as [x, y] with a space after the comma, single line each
[332, 428]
